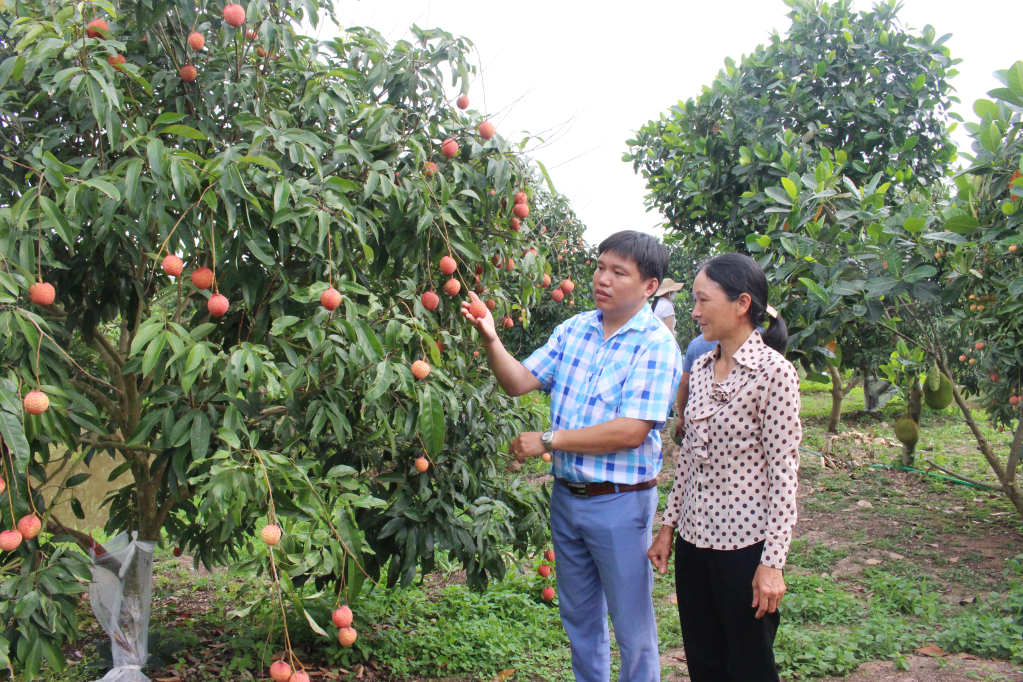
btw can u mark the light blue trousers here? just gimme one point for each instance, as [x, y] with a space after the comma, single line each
[601, 544]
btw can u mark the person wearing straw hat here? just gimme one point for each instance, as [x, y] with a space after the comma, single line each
[662, 306]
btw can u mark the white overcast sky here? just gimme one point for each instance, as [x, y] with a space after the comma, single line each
[596, 72]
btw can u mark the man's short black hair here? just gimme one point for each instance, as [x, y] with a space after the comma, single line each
[650, 255]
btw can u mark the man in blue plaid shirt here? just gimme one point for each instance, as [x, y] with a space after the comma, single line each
[612, 374]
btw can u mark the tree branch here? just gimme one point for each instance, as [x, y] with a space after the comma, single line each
[98, 396]
[55, 527]
[121, 447]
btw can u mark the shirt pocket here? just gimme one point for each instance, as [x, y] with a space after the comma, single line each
[604, 396]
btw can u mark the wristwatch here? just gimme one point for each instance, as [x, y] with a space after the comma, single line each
[547, 438]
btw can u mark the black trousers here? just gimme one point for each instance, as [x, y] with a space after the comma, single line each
[724, 641]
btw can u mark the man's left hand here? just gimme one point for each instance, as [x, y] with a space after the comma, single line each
[527, 445]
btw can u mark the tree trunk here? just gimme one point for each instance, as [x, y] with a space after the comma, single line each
[915, 406]
[837, 394]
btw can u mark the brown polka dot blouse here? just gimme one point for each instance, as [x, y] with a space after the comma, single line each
[736, 479]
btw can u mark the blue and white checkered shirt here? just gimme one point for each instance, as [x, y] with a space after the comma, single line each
[591, 380]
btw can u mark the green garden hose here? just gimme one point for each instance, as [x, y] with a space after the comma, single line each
[899, 467]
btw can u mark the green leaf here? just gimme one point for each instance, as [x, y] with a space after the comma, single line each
[105, 187]
[260, 160]
[985, 108]
[152, 355]
[779, 195]
[914, 225]
[383, 382]
[230, 437]
[148, 332]
[431, 421]
[57, 219]
[961, 224]
[910, 143]
[77, 479]
[183, 131]
[200, 436]
[547, 177]
[282, 323]
[790, 187]
[1016, 286]
[1015, 78]
[14, 436]
[818, 292]
[167, 118]
[990, 137]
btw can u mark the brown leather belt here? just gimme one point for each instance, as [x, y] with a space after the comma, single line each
[604, 487]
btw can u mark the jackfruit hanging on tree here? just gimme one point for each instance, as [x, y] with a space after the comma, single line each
[937, 395]
[907, 431]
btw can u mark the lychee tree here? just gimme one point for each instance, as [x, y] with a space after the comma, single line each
[241, 238]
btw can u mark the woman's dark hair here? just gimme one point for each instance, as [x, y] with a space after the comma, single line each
[736, 275]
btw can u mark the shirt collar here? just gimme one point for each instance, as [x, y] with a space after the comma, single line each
[751, 354]
[640, 321]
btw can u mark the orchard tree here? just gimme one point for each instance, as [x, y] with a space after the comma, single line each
[234, 257]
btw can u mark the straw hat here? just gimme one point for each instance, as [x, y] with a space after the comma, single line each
[668, 286]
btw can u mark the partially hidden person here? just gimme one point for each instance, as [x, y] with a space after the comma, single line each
[662, 307]
[733, 502]
[612, 374]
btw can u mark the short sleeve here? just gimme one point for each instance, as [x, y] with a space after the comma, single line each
[663, 309]
[650, 387]
[692, 353]
[544, 359]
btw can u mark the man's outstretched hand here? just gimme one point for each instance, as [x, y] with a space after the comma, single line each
[486, 326]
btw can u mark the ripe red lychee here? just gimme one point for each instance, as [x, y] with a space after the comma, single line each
[188, 73]
[462, 102]
[514, 224]
[420, 369]
[546, 281]
[422, 464]
[479, 269]
[448, 265]
[491, 304]
[42, 293]
[1012, 248]
[217, 305]
[449, 148]
[251, 34]
[994, 377]
[546, 457]
[176, 551]
[979, 345]
[9, 540]
[234, 15]
[29, 526]
[496, 260]
[558, 295]
[96, 24]
[36, 402]
[172, 265]
[568, 286]
[440, 345]
[3, 486]
[280, 671]
[1014, 400]
[430, 169]
[271, 534]
[521, 198]
[478, 309]
[342, 617]
[452, 287]
[430, 300]
[196, 41]
[202, 278]
[962, 358]
[330, 299]
[528, 251]
[510, 265]
[508, 323]
[116, 61]
[973, 361]
[486, 130]
[549, 555]
[346, 636]
[544, 570]
[520, 210]
[299, 676]
[548, 593]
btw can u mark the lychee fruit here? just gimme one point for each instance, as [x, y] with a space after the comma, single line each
[176, 551]
[548, 593]
[90, 28]
[479, 269]
[544, 570]
[116, 61]
[202, 278]
[36, 402]
[9, 540]
[514, 224]
[430, 169]
[234, 15]
[962, 358]
[342, 617]
[979, 345]
[440, 345]
[558, 295]
[462, 102]
[510, 265]
[196, 41]
[217, 305]
[420, 369]
[486, 130]
[3, 486]
[521, 198]
[973, 361]
[299, 676]
[346, 636]
[994, 377]
[188, 73]
[449, 148]
[422, 464]
[330, 299]
[491, 304]
[452, 287]
[520, 210]
[478, 309]
[1012, 248]
[29, 526]
[448, 265]
[430, 300]
[173, 266]
[549, 555]
[546, 281]
[496, 260]
[568, 286]
[271, 534]
[546, 457]
[280, 671]
[42, 293]
[251, 34]
[1013, 400]
[508, 323]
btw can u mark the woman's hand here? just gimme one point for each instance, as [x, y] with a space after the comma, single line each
[660, 550]
[768, 589]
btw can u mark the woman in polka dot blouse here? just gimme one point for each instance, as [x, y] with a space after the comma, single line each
[733, 502]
